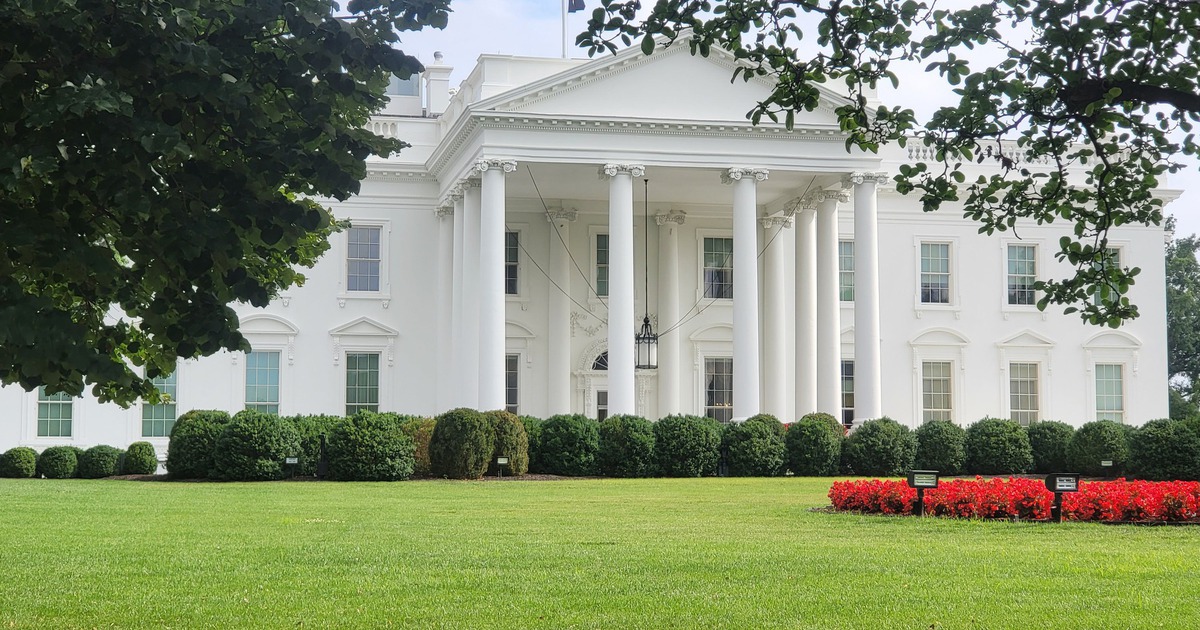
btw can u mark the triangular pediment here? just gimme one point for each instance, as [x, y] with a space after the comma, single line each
[1026, 339]
[363, 327]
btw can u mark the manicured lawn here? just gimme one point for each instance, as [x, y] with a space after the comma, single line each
[662, 553]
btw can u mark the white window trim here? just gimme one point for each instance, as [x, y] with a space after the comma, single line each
[521, 297]
[1125, 389]
[1122, 249]
[376, 338]
[1121, 349]
[956, 354]
[521, 367]
[284, 373]
[701, 390]
[919, 307]
[701, 234]
[179, 408]
[847, 238]
[384, 294]
[593, 232]
[36, 441]
[1042, 398]
[1041, 354]
[1006, 309]
[384, 364]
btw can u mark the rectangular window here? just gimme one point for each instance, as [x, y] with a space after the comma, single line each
[1110, 392]
[718, 389]
[935, 273]
[937, 401]
[601, 404]
[718, 267]
[848, 393]
[362, 382]
[602, 265]
[157, 420]
[1104, 292]
[1023, 392]
[362, 259]
[846, 270]
[262, 381]
[54, 414]
[511, 257]
[1022, 273]
[511, 392]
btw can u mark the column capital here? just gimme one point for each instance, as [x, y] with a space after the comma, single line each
[469, 183]
[778, 221]
[842, 195]
[675, 216]
[444, 211]
[737, 173]
[502, 164]
[800, 204]
[865, 177]
[561, 214]
[609, 171]
[455, 194]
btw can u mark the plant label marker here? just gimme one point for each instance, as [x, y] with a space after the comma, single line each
[501, 462]
[1058, 483]
[922, 479]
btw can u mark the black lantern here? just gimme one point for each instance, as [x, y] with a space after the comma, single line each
[646, 341]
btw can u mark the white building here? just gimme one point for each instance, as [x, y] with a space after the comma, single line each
[503, 261]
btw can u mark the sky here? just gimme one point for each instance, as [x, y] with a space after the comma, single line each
[534, 28]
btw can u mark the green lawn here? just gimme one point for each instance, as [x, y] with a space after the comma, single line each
[660, 553]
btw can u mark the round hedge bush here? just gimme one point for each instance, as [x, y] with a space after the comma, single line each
[369, 447]
[1095, 442]
[461, 444]
[569, 445]
[253, 446]
[140, 459]
[627, 447]
[941, 446]
[881, 448]
[998, 447]
[1049, 440]
[1163, 450]
[19, 462]
[311, 429]
[58, 462]
[533, 433]
[511, 442]
[193, 440]
[100, 461]
[754, 447]
[814, 445]
[687, 446]
[420, 431]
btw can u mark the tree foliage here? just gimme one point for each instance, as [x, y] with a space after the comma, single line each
[160, 161]
[1183, 314]
[1080, 106]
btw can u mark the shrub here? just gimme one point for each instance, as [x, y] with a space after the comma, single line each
[420, 431]
[311, 429]
[511, 442]
[754, 447]
[253, 446]
[1165, 449]
[814, 445]
[461, 444]
[687, 446]
[569, 445]
[880, 447]
[627, 447]
[58, 462]
[369, 447]
[998, 447]
[1095, 442]
[1049, 440]
[941, 446]
[140, 459]
[100, 461]
[193, 440]
[18, 463]
[533, 431]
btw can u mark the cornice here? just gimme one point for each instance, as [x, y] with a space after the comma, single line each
[401, 174]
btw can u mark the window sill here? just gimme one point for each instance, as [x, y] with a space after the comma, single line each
[921, 308]
[520, 301]
[384, 299]
[1021, 310]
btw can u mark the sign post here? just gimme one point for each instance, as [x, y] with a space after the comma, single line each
[1058, 483]
[922, 479]
[501, 462]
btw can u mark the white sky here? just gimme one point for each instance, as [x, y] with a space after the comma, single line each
[534, 28]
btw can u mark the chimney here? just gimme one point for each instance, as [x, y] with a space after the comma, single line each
[437, 85]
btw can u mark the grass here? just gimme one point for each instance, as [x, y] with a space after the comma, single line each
[660, 553]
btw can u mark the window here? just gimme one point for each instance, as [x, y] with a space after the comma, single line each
[601, 361]
[601, 404]
[362, 382]
[1106, 293]
[512, 248]
[262, 381]
[1110, 392]
[718, 267]
[157, 420]
[937, 401]
[848, 393]
[846, 270]
[1023, 392]
[362, 258]
[1022, 273]
[511, 392]
[602, 265]
[718, 388]
[935, 273]
[54, 414]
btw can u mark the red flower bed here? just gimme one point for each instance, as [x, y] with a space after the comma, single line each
[1027, 499]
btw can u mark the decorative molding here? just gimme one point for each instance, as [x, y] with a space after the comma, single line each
[609, 171]
[444, 211]
[291, 349]
[577, 324]
[776, 221]
[391, 351]
[502, 164]
[469, 183]
[561, 214]
[285, 300]
[337, 350]
[677, 217]
[866, 177]
[380, 172]
[644, 382]
[737, 173]
[841, 195]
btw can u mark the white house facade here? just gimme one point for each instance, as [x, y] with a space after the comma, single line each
[548, 206]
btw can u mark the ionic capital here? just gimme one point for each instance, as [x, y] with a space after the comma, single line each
[737, 173]
[782, 221]
[841, 195]
[444, 211]
[504, 165]
[863, 177]
[609, 171]
[674, 216]
[561, 214]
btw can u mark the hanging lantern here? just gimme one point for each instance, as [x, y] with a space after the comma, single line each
[647, 346]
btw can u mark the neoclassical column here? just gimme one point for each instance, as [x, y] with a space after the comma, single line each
[445, 305]
[669, 226]
[621, 394]
[491, 282]
[456, 319]
[806, 306]
[559, 360]
[746, 390]
[868, 371]
[829, 325]
[774, 393]
[469, 347]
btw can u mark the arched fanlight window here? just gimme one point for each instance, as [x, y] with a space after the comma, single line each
[601, 362]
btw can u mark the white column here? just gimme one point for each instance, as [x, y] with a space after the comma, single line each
[868, 377]
[829, 326]
[469, 363]
[491, 282]
[559, 360]
[668, 300]
[621, 394]
[774, 393]
[806, 307]
[456, 398]
[445, 306]
[746, 391]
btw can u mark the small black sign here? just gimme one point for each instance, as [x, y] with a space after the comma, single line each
[922, 478]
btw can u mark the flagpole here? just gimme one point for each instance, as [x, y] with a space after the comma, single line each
[564, 29]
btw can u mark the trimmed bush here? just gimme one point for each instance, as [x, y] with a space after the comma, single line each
[941, 446]
[1095, 442]
[569, 445]
[193, 441]
[1165, 449]
[311, 429]
[252, 447]
[533, 432]
[881, 448]
[58, 462]
[511, 442]
[100, 461]
[18, 463]
[1049, 440]
[461, 444]
[687, 446]
[140, 459]
[420, 431]
[754, 447]
[627, 447]
[369, 447]
[998, 447]
[814, 445]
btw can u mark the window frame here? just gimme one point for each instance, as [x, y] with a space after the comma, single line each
[926, 412]
[246, 404]
[596, 266]
[385, 289]
[172, 416]
[379, 358]
[1123, 412]
[846, 271]
[954, 300]
[512, 391]
[701, 235]
[1037, 394]
[1006, 276]
[704, 377]
[512, 267]
[60, 400]
[847, 393]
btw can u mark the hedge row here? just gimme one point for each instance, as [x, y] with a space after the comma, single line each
[68, 462]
